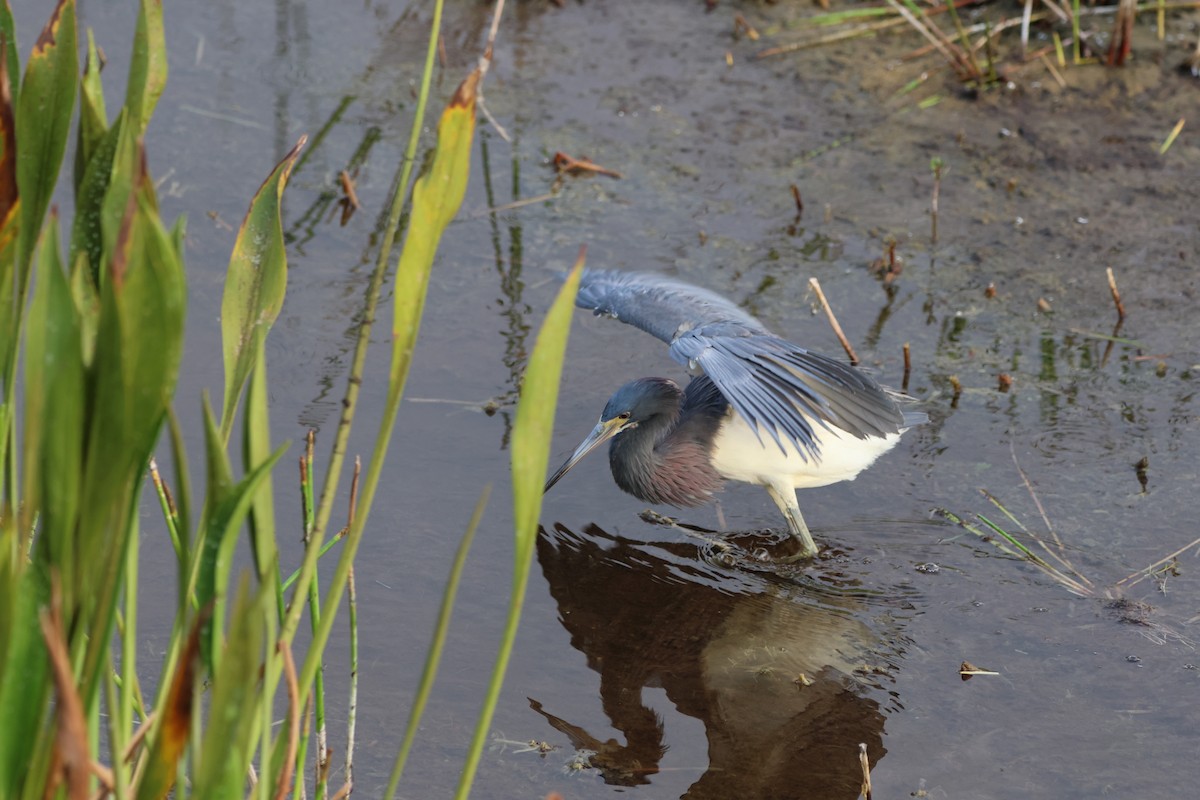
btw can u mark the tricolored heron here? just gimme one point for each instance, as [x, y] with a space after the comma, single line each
[759, 410]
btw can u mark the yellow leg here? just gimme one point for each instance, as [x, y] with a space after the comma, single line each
[785, 498]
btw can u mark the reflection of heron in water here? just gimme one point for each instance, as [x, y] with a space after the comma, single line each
[781, 681]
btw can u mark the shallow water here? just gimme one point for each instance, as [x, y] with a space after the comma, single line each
[683, 676]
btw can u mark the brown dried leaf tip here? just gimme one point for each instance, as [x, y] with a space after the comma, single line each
[565, 164]
[467, 91]
[49, 35]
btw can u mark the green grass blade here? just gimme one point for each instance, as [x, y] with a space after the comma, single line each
[226, 509]
[436, 199]
[350, 401]
[256, 449]
[532, 432]
[433, 654]
[224, 760]
[172, 728]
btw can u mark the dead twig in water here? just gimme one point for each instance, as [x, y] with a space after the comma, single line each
[833, 323]
[1142, 574]
[349, 201]
[564, 163]
[526, 201]
[907, 367]
[1174, 134]
[1058, 78]
[485, 63]
[1116, 295]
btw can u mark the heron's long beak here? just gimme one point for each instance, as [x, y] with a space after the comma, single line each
[600, 434]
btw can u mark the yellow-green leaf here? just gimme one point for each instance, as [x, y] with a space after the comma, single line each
[534, 425]
[437, 196]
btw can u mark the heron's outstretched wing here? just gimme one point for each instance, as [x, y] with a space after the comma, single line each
[776, 386]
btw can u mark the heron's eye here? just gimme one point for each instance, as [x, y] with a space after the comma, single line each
[623, 416]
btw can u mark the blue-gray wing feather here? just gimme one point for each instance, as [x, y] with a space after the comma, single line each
[660, 306]
[776, 386]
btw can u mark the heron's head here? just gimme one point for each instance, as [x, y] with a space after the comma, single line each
[641, 400]
[634, 404]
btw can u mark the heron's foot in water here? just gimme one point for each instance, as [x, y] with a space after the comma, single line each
[771, 548]
[740, 547]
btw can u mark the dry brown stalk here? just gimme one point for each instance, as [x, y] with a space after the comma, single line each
[833, 323]
[1116, 295]
[293, 690]
[576, 166]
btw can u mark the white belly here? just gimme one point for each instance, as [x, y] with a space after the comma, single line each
[740, 456]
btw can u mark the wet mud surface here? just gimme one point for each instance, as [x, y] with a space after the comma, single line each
[646, 665]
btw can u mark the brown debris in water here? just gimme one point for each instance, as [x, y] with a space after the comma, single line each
[565, 164]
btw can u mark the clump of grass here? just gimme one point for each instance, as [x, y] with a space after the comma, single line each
[91, 340]
[971, 52]
[1049, 554]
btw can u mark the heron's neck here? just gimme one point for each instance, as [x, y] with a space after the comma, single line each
[663, 461]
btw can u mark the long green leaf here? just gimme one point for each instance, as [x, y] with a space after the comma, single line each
[93, 118]
[256, 449]
[224, 761]
[532, 432]
[54, 397]
[43, 123]
[173, 726]
[226, 507]
[144, 303]
[433, 654]
[254, 285]
[147, 66]
[12, 56]
[95, 213]
[436, 199]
